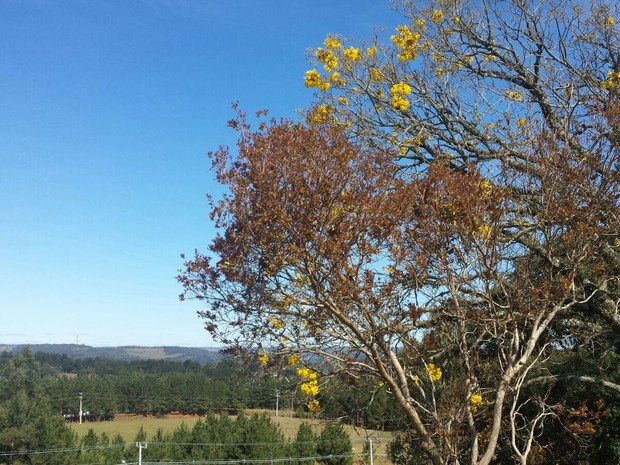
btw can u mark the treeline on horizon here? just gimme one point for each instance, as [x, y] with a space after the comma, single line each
[159, 387]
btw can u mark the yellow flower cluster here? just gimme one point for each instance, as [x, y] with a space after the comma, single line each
[307, 373]
[311, 388]
[371, 51]
[313, 79]
[512, 95]
[336, 79]
[407, 41]
[351, 53]
[332, 42]
[613, 80]
[521, 122]
[410, 142]
[486, 187]
[293, 359]
[437, 16]
[314, 406]
[485, 231]
[277, 323]
[263, 358]
[611, 21]
[475, 402]
[375, 75]
[434, 372]
[319, 115]
[328, 58]
[398, 91]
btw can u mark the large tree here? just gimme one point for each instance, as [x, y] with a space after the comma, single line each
[446, 221]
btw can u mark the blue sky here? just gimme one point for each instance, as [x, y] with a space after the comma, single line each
[107, 111]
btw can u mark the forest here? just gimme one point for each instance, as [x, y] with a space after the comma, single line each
[38, 400]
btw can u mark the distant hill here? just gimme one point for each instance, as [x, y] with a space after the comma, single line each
[201, 355]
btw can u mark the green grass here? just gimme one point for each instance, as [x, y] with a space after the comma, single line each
[128, 427]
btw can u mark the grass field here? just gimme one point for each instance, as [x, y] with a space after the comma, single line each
[129, 426]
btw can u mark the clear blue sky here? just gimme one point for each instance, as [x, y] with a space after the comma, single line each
[107, 110]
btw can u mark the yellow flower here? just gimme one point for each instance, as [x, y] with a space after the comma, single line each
[415, 378]
[400, 103]
[343, 101]
[314, 405]
[613, 79]
[408, 54]
[434, 372]
[293, 359]
[401, 88]
[312, 78]
[407, 41]
[307, 373]
[371, 51]
[486, 187]
[263, 358]
[611, 21]
[332, 42]
[403, 38]
[475, 402]
[351, 53]
[490, 57]
[617, 242]
[277, 323]
[319, 115]
[440, 72]
[375, 75]
[420, 24]
[521, 122]
[437, 16]
[514, 95]
[398, 91]
[311, 388]
[485, 231]
[456, 19]
[327, 57]
[336, 79]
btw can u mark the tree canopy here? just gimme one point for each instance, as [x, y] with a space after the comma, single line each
[444, 221]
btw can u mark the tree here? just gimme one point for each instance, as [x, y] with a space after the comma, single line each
[27, 422]
[334, 445]
[446, 221]
[305, 444]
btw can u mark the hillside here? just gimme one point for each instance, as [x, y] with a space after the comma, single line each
[127, 353]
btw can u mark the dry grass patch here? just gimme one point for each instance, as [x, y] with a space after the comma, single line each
[129, 425]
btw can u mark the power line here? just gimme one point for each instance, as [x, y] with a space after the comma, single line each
[197, 444]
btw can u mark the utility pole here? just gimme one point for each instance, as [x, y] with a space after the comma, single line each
[140, 446]
[370, 454]
[80, 397]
